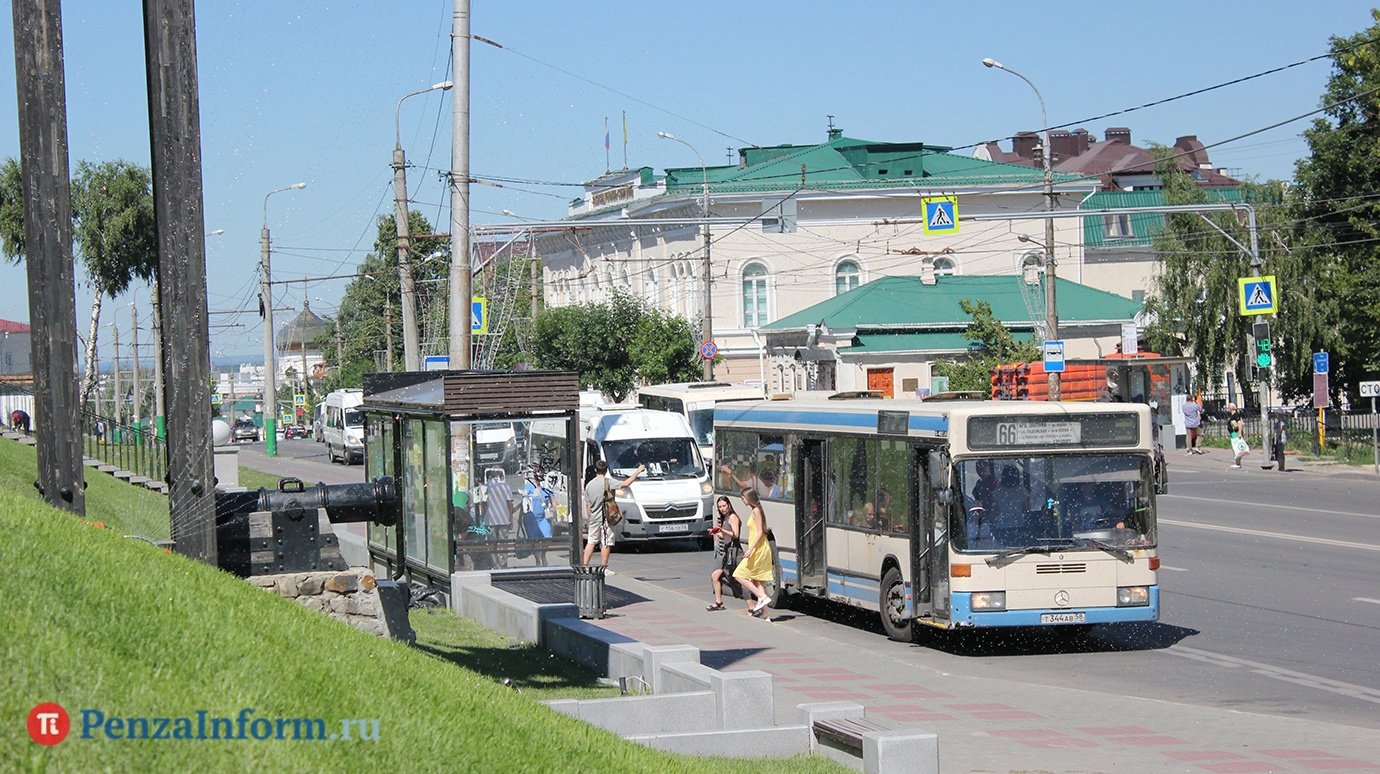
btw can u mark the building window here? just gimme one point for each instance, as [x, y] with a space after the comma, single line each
[846, 277]
[944, 267]
[1138, 296]
[1118, 226]
[755, 295]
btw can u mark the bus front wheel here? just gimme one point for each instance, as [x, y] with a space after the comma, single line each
[893, 604]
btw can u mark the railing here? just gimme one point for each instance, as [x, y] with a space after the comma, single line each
[136, 449]
[1347, 434]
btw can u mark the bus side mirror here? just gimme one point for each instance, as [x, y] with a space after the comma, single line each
[939, 470]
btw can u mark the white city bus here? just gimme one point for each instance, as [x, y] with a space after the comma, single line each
[695, 401]
[954, 514]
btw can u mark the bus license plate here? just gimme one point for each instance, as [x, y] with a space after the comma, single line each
[664, 528]
[1063, 618]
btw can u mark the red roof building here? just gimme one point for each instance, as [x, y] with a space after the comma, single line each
[1115, 161]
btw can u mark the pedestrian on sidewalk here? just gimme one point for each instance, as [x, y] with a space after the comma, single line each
[598, 531]
[756, 568]
[729, 552]
[1236, 425]
[1193, 419]
[1279, 435]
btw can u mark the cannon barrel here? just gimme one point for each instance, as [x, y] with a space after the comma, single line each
[375, 501]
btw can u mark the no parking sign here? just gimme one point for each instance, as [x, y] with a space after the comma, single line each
[708, 349]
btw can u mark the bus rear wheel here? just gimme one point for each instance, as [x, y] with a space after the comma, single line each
[893, 606]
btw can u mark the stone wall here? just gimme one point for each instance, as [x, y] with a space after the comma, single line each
[350, 596]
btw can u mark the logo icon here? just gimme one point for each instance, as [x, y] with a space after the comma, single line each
[48, 723]
[1061, 598]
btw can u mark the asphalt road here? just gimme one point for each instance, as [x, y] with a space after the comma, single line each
[1269, 596]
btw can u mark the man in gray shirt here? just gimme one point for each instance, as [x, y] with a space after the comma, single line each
[1193, 419]
[597, 529]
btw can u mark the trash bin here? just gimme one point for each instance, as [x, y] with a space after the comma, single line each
[589, 590]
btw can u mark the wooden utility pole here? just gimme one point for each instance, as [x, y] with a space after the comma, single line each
[159, 409]
[339, 345]
[175, 137]
[42, 93]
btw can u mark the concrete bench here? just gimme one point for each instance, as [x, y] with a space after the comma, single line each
[847, 732]
[840, 732]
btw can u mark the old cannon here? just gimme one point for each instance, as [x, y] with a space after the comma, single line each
[274, 531]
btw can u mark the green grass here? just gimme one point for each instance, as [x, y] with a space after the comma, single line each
[254, 479]
[112, 624]
[526, 668]
[125, 508]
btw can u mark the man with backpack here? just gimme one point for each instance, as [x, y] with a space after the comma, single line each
[598, 491]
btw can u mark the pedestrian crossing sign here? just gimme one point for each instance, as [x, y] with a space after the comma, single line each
[941, 214]
[479, 315]
[1257, 295]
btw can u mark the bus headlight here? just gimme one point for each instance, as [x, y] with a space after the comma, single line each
[1131, 596]
[989, 600]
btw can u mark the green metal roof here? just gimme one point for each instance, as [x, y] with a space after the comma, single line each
[900, 303]
[848, 163]
[877, 342]
[1144, 225]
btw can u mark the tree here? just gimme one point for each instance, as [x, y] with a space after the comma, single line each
[1338, 218]
[614, 346]
[114, 228]
[994, 346]
[362, 310]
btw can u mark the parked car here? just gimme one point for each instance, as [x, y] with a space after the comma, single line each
[295, 431]
[246, 430]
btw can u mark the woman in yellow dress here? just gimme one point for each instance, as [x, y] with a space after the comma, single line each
[756, 567]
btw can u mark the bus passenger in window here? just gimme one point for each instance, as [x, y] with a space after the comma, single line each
[1007, 508]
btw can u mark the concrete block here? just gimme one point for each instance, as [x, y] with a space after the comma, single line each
[744, 698]
[123, 475]
[900, 750]
[226, 465]
[569, 707]
[354, 549]
[106, 468]
[138, 479]
[654, 656]
[777, 742]
[605, 652]
[91, 462]
[685, 677]
[510, 614]
[809, 712]
[460, 580]
[651, 715]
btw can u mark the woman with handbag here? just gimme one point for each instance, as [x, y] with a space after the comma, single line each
[1236, 424]
[728, 550]
[755, 571]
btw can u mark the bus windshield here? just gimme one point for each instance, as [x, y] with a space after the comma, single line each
[664, 457]
[1038, 503]
[702, 423]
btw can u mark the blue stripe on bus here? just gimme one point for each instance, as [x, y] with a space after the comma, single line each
[815, 418]
[839, 584]
[960, 612]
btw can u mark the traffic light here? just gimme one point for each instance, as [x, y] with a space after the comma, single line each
[1264, 353]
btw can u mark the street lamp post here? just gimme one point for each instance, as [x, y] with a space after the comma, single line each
[270, 400]
[708, 327]
[1051, 311]
[411, 355]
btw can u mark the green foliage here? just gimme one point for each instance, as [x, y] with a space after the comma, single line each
[11, 210]
[1338, 218]
[362, 310]
[614, 346]
[116, 233]
[996, 347]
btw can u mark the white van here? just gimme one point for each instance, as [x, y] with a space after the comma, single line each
[673, 498]
[318, 423]
[695, 401]
[344, 425]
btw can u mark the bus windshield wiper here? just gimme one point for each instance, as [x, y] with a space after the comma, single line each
[1116, 551]
[1022, 551]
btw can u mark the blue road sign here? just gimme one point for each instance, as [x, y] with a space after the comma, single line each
[479, 315]
[1320, 362]
[435, 362]
[1054, 356]
[1257, 295]
[941, 214]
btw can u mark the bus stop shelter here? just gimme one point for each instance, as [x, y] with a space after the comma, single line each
[484, 462]
[1160, 381]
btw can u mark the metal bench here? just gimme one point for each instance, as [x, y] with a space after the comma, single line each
[847, 732]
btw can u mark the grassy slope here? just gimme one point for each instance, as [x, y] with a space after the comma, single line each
[131, 510]
[113, 624]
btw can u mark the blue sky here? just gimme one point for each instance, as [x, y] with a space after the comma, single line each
[296, 91]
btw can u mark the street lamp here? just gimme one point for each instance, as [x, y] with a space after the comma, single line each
[708, 328]
[411, 359]
[1051, 311]
[270, 364]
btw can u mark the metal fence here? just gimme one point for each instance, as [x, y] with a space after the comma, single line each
[1348, 433]
[137, 449]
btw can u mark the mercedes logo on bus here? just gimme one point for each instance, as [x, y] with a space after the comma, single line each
[1061, 598]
